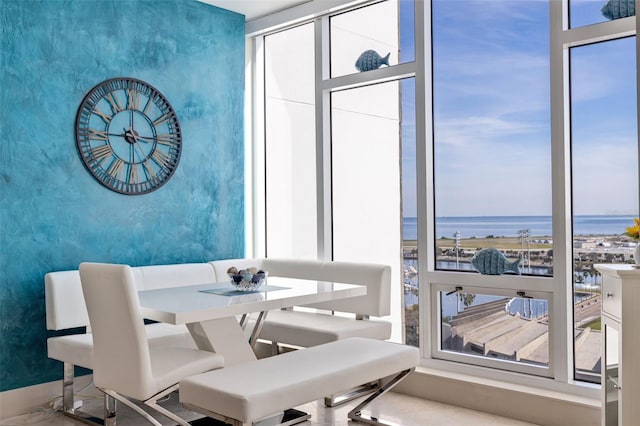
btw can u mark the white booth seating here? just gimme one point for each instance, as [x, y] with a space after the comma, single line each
[66, 309]
[305, 328]
[258, 392]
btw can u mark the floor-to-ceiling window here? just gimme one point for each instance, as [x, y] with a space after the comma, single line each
[604, 167]
[481, 164]
[492, 180]
[335, 133]
[411, 282]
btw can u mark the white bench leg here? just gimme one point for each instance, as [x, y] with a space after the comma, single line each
[356, 414]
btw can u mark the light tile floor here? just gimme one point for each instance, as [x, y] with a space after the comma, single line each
[393, 408]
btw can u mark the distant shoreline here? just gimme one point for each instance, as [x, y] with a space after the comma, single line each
[587, 250]
[506, 226]
[535, 242]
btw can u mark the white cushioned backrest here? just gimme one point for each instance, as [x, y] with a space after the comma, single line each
[121, 360]
[376, 277]
[64, 300]
[221, 266]
[163, 276]
[294, 268]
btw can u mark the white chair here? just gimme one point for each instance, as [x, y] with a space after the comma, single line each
[66, 311]
[124, 365]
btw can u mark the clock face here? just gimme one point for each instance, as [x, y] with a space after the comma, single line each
[128, 136]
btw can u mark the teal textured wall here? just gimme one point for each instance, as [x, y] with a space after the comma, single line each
[54, 215]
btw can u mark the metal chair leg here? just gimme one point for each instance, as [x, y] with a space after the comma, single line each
[131, 405]
[110, 406]
[153, 403]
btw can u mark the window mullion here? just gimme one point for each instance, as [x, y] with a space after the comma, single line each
[561, 339]
[323, 138]
[424, 171]
[256, 220]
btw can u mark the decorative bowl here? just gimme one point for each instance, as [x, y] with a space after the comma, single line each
[248, 281]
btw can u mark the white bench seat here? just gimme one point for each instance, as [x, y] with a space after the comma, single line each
[306, 329]
[246, 393]
[77, 349]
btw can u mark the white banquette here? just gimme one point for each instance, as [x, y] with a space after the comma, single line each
[301, 327]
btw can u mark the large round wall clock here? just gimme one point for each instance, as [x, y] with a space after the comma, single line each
[128, 136]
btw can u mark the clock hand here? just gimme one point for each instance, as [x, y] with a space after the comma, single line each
[133, 153]
[146, 138]
[141, 153]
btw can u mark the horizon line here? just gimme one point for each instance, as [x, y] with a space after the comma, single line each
[531, 215]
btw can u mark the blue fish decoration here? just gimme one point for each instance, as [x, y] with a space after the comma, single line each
[616, 9]
[370, 60]
[490, 261]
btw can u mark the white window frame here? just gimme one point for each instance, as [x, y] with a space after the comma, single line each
[434, 280]
[562, 39]
[558, 289]
[319, 13]
[513, 366]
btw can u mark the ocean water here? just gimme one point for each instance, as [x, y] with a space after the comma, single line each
[508, 226]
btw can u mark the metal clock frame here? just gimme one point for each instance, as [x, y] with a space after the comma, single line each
[128, 136]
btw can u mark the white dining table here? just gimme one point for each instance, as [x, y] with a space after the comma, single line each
[211, 311]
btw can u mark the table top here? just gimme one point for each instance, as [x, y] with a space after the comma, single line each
[190, 304]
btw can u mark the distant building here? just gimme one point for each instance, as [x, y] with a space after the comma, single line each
[584, 244]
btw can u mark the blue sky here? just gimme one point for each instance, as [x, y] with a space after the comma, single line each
[492, 118]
